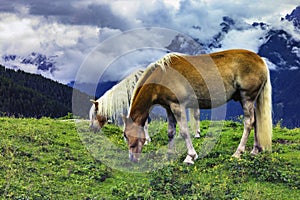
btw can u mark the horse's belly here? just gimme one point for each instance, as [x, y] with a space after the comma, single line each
[208, 104]
[208, 101]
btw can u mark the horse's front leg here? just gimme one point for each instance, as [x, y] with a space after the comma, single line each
[148, 139]
[180, 115]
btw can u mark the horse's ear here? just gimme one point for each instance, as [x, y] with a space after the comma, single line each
[93, 101]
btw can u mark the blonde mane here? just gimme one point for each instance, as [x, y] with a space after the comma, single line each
[117, 100]
[164, 62]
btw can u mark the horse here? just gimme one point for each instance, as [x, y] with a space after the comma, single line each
[113, 102]
[205, 81]
[117, 100]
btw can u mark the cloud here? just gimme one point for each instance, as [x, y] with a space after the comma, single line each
[252, 10]
[72, 29]
[117, 55]
[6, 6]
[71, 12]
[127, 63]
[17, 34]
[250, 39]
[21, 36]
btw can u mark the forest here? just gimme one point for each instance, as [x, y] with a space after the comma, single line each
[30, 95]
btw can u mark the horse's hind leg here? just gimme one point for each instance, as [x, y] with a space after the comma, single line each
[197, 122]
[171, 130]
[249, 119]
[180, 115]
[256, 147]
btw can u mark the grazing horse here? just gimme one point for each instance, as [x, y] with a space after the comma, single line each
[116, 101]
[179, 81]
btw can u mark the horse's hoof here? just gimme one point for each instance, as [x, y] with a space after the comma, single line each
[190, 159]
[254, 152]
[237, 155]
[189, 163]
[195, 157]
[198, 134]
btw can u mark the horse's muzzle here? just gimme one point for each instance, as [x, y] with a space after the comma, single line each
[134, 157]
[94, 128]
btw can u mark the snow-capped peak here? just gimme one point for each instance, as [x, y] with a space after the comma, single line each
[34, 63]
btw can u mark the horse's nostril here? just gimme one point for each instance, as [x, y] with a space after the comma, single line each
[133, 159]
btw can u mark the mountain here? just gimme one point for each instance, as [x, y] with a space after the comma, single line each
[294, 17]
[89, 88]
[31, 95]
[284, 51]
[36, 63]
[183, 44]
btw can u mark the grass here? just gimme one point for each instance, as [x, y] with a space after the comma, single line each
[61, 159]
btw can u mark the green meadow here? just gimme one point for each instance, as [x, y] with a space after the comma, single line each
[61, 159]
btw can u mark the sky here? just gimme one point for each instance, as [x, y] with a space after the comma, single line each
[89, 39]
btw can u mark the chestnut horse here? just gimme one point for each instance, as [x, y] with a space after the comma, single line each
[116, 101]
[179, 81]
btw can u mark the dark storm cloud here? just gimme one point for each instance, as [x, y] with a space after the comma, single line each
[50, 8]
[66, 12]
[6, 6]
[100, 15]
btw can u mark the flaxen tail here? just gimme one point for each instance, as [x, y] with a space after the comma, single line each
[264, 116]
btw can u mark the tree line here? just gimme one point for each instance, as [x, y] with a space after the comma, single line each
[30, 95]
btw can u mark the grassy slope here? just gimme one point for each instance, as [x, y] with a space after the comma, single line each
[54, 159]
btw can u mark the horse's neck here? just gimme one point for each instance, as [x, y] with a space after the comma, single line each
[140, 107]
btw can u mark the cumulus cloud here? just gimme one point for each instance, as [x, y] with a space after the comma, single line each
[21, 36]
[250, 39]
[117, 55]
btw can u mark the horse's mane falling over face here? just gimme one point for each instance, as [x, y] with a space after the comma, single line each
[114, 102]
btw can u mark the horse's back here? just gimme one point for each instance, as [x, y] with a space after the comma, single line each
[240, 65]
[229, 60]
[218, 75]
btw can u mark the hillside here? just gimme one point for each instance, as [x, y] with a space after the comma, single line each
[31, 95]
[55, 159]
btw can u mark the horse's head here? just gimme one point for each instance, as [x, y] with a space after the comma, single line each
[97, 121]
[135, 137]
